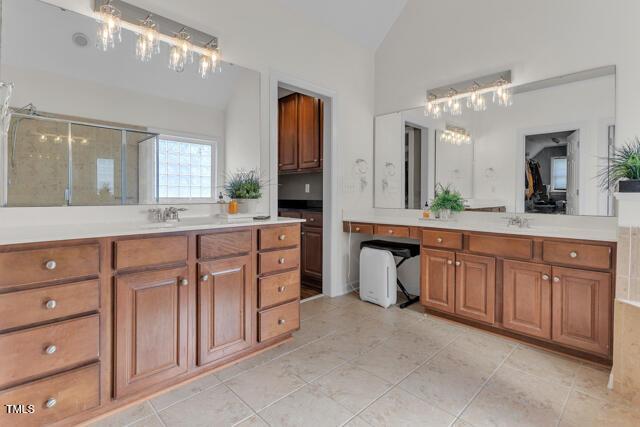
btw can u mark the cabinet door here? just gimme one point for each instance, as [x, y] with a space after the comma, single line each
[288, 133]
[582, 309]
[526, 298]
[308, 132]
[224, 308]
[476, 287]
[311, 264]
[150, 328]
[437, 281]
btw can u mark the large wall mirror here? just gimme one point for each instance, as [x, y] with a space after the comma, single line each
[89, 127]
[542, 154]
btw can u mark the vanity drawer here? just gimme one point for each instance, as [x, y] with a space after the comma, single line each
[38, 351]
[278, 321]
[45, 265]
[279, 237]
[358, 227]
[23, 308]
[225, 244]
[442, 239]
[577, 254]
[392, 230]
[54, 398]
[270, 262]
[147, 252]
[313, 219]
[273, 290]
[508, 247]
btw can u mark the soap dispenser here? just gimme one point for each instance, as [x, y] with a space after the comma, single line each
[426, 213]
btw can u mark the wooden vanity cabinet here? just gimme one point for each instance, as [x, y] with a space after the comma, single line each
[151, 311]
[437, 284]
[299, 133]
[476, 287]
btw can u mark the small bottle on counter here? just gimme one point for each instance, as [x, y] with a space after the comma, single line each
[426, 213]
[233, 207]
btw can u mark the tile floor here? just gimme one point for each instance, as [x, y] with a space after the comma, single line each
[356, 364]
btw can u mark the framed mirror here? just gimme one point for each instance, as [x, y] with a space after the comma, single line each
[542, 154]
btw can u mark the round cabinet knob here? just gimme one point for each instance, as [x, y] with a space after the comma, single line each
[204, 278]
[312, 220]
[390, 231]
[449, 262]
[439, 240]
[281, 289]
[281, 322]
[50, 349]
[556, 279]
[184, 282]
[50, 403]
[573, 254]
[545, 277]
[281, 261]
[50, 304]
[282, 237]
[357, 228]
[50, 265]
[458, 263]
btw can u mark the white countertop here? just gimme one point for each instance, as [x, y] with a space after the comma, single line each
[585, 228]
[45, 233]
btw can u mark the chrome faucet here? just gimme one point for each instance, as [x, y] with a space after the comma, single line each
[168, 214]
[517, 220]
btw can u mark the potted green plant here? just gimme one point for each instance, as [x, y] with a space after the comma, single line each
[246, 188]
[623, 169]
[447, 200]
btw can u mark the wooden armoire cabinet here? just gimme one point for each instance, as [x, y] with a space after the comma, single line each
[300, 121]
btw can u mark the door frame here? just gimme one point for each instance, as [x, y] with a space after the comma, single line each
[331, 226]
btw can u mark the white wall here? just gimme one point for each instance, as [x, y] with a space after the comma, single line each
[536, 39]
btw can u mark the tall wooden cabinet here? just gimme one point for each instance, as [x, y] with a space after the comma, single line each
[151, 328]
[300, 121]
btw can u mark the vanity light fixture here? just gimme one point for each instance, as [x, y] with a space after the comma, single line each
[450, 98]
[148, 42]
[455, 135]
[109, 26]
[181, 52]
[209, 62]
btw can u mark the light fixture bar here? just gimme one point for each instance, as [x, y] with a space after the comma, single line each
[485, 84]
[131, 16]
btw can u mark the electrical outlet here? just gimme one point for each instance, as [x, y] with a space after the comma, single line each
[307, 188]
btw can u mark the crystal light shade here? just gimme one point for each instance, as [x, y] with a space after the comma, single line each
[148, 43]
[476, 100]
[455, 136]
[432, 108]
[503, 95]
[109, 27]
[180, 52]
[209, 62]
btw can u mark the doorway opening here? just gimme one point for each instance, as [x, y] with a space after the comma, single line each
[551, 173]
[303, 134]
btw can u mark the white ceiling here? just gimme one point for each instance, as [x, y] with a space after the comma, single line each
[366, 22]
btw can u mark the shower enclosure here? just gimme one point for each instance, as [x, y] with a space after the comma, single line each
[61, 162]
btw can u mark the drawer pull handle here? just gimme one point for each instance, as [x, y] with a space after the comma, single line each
[51, 349]
[458, 263]
[51, 402]
[449, 262]
[50, 304]
[281, 289]
[439, 239]
[281, 322]
[51, 264]
[545, 277]
[390, 231]
[312, 220]
[204, 278]
[573, 254]
[184, 282]
[282, 237]
[357, 228]
[556, 279]
[281, 260]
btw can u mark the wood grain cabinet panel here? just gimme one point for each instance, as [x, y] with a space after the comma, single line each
[577, 254]
[54, 398]
[508, 247]
[392, 230]
[582, 309]
[279, 237]
[288, 133]
[51, 264]
[278, 321]
[526, 298]
[31, 306]
[150, 328]
[279, 288]
[311, 252]
[133, 253]
[442, 239]
[309, 144]
[476, 287]
[438, 279]
[357, 227]
[33, 352]
[224, 308]
[275, 261]
[224, 244]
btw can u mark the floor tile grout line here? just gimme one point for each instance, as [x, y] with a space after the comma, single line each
[566, 400]
[485, 382]
[253, 411]
[184, 398]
